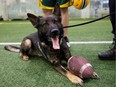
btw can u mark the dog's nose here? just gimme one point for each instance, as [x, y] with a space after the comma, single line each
[54, 32]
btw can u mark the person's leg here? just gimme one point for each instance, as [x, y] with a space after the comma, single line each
[47, 12]
[110, 54]
[65, 19]
[64, 4]
[112, 16]
[65, 22]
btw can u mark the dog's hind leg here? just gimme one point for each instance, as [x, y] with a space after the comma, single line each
[25, 47]
[25, 57]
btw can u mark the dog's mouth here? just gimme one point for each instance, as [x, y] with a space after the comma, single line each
[55, 42]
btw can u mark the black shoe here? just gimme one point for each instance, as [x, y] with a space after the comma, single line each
[67, 41]
[108, 55]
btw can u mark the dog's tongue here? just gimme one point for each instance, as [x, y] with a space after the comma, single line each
[55, 42]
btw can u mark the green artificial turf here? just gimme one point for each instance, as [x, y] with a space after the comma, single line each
[37, 72]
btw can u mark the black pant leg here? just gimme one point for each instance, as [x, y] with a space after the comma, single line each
[112, 16]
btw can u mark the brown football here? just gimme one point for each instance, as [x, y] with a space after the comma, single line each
[80, 66]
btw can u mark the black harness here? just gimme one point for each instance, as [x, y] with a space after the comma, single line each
[41, 49]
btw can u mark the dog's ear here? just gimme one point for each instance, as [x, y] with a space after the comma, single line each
[33, 19]
[57, 11]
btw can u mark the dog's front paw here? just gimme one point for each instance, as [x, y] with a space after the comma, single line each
[74, 79]
[95, 76]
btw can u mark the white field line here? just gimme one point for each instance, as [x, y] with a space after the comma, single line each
[72, 42]
[92, 42]
[10, 43]
[17, 23]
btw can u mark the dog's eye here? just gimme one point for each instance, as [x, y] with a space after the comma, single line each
[56, 20]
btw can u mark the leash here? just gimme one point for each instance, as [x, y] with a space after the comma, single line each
[42, 51]
[88, 21]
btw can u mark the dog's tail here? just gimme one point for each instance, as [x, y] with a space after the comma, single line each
[12, 48]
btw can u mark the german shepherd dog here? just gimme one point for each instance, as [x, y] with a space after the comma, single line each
[48, 42]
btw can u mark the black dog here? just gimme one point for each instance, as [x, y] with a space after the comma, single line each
[48, 42]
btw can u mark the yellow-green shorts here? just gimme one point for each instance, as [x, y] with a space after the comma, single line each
[49, 4]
